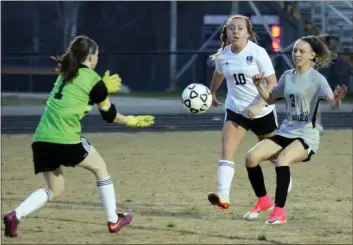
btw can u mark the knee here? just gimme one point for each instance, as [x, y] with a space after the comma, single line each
[100, 171]
[252, 159]
[101, 174]
[95, 164]
[282, 160]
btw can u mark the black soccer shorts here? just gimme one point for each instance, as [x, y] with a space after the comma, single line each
[49, 156]
[260, 126]
[284, 142]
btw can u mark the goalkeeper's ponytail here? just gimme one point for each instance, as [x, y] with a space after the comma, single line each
[67, 66]
[77, 52]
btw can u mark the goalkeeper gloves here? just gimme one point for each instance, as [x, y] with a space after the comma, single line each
[140, 121]
[113, 83]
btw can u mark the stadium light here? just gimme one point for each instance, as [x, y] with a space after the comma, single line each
[276, 33]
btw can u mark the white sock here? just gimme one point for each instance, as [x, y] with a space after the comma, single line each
[107, 195]
[34, 202]
[225, 176]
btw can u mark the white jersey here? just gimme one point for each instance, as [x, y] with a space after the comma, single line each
[302, 94]
[238, 70]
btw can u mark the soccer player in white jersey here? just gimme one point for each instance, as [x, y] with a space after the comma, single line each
[238, 60]
[297, 138]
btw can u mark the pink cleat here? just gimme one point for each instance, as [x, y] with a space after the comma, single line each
[278, 216]
[124, 220]
[263, 204]
[11, 222]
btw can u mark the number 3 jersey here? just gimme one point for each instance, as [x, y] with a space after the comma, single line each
[302, 94]
[66, 106]
[238, 70]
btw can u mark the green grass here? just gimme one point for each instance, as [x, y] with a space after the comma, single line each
[262, 238]
[168, 182]
[171, 225]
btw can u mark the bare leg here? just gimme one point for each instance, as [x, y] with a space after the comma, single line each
[95, 163]
[55, 187]
[231, 138]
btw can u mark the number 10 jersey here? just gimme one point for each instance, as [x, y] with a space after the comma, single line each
[238, 70]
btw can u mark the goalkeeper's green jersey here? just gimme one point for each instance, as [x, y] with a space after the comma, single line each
[67, 104]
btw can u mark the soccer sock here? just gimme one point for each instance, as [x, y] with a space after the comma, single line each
[107, 195]
[257, 181]
[225, 176]
[34, 202]
[282, 181]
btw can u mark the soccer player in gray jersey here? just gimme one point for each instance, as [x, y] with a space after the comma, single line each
[297, 138]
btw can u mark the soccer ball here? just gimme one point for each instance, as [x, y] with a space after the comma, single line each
[196, 98]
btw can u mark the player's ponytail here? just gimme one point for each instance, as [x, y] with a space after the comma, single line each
[77, 52]
[224, 41]
[324, 56]
[67, 66]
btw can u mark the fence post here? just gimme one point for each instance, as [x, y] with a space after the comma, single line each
[30, 78]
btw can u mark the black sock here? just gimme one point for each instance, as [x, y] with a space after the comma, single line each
[257, 180]
[282, 181]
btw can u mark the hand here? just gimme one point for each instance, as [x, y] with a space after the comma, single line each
[140, 121]
[215, 102]
[113, 83]
[340, 92]
[257, 79]
[254, 110]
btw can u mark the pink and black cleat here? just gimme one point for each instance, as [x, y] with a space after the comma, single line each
[124, 220]
[11, 222]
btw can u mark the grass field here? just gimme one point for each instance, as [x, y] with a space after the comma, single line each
[164, 178]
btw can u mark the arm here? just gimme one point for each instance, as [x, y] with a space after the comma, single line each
[99, 96]
[269, 96]
[266, 67]
[217, 77]
[271, 83]
[265, 94]
[325, 91]
[216, 81]
[333, 102]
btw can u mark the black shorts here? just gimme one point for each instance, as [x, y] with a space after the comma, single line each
[49, 156]
[260, 126]
[284, 142]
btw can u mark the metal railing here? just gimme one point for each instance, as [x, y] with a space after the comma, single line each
[148, 71]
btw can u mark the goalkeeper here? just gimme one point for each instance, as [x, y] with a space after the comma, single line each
[58, 142]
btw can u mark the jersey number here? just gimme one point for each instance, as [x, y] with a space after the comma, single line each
[239, 79]
[292, 98]
[59, 94]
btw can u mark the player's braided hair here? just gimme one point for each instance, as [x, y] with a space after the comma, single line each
[77, 52]
[224, 38]
[324, 56]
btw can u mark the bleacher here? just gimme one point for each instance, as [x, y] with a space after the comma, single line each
[338, 20]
